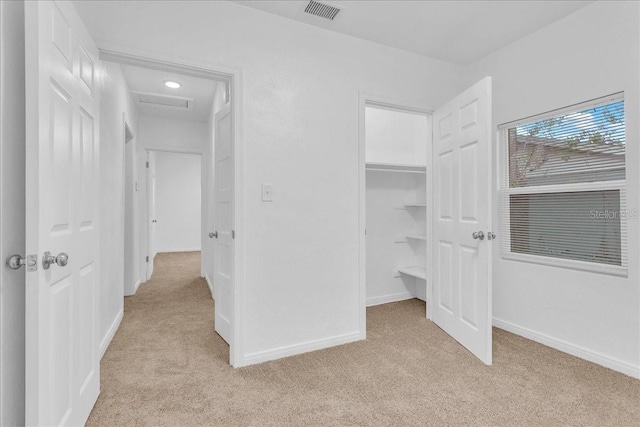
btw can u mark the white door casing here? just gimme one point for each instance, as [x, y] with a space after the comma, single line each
[62, 109]
[461, 272]
[223, 250]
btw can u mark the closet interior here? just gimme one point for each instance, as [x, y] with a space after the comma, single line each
[396, 145]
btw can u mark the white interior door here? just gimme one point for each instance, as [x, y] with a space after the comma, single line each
[62, 110]
[130, 253]
[462, 196]
[151, 211]
[223, 221]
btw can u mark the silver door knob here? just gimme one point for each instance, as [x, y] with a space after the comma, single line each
[213, 234]
[478, 235]
[47, 259]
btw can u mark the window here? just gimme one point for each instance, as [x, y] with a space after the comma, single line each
[563, 189]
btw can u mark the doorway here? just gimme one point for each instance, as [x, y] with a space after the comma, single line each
[454, 271]
[184, 125]
[174, 210]
[396, 145]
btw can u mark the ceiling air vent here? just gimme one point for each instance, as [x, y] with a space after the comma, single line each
[163, 100]
[323, 10]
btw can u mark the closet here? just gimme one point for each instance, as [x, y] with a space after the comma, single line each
[396, 144]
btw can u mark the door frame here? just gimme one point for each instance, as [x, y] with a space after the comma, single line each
[406, 106]
[234, 77]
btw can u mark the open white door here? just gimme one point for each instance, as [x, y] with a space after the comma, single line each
[62, 110]
[462, 166]
[151, 212]
[223, 220]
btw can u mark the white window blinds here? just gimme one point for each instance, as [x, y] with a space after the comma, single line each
[563, 188]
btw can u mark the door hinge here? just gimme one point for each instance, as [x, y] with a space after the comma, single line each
[147, 258]
[233, 234]
[147, 165]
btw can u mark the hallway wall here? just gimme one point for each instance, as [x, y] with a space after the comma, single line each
[115, 104]
[178, 202]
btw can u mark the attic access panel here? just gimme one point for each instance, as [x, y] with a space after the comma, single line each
[164, 100]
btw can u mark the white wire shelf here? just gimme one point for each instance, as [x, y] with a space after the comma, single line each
[394, 167]
[419, 272]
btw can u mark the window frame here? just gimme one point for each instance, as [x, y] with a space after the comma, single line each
[504, 193]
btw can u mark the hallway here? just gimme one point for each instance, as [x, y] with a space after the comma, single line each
[167, 366]
[152, 372]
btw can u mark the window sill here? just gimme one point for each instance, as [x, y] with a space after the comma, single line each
[591, 267]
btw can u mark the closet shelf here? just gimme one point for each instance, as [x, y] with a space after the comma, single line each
[394, 167]
[419, 272]
[416, 236]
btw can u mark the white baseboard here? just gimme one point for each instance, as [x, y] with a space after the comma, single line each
[295, 349]
[574, 350]
[384, 299]
[111, 332]
[206, 277]
[135, 288]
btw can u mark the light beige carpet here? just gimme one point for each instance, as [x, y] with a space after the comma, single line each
[167, 366]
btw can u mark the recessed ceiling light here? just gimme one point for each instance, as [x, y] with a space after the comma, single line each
[171, 84]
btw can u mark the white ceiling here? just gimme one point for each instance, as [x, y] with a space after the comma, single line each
[148, 81]
[460, 32]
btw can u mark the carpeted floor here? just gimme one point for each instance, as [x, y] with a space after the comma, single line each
[167, 366]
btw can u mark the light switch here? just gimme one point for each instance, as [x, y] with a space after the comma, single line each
[267, 193]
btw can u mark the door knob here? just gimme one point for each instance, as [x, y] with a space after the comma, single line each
[47, 259]
[154, 221]
[491, 235]
[213, 234]
[478, 235]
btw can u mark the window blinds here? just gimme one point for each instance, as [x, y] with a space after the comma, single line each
[585, 146]
[563, 186]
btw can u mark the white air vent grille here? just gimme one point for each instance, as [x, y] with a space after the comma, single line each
[164, 101]
[322, 10]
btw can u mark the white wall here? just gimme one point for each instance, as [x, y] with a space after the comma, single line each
[592, 53]
[178, 202]
[12, 211]
[300, 92]
[395, 137]
[159, 133]
[115, 101]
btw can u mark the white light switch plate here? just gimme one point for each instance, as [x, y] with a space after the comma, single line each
[267, 192]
